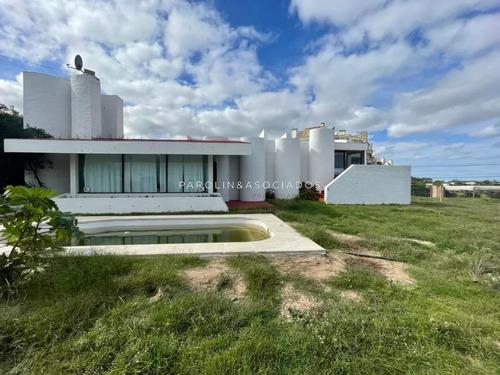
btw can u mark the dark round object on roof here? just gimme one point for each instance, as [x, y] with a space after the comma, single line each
[78, 62]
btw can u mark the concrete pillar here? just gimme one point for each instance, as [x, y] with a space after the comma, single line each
[321, 156]
[253, 171]
[287, 167]
[86, 120]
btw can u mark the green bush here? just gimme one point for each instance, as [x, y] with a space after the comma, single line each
[32, 227]
[307, 192]
[420, 191]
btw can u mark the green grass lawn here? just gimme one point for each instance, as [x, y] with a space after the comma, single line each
[94, 315]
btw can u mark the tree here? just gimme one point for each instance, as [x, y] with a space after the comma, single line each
[33, 227]
[13, 165]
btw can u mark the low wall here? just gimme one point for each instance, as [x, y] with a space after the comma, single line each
[371, 184]
[128, 205]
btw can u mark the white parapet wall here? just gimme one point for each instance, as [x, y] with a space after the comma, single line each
[371, 184]
[47, 103]
[107, 204]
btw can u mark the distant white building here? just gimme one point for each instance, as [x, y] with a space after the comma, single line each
[96, 170]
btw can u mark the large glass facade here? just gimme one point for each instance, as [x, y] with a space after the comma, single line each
[142, 173]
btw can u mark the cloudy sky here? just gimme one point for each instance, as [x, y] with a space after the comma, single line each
[422, 76]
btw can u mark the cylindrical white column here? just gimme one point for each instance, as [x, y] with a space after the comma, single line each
[234, 177]
[270, 152]
[321, 156]
[222, 181]
[253, 171]
[287, 168]
[304, 160]
[86, 121]
[112, 116]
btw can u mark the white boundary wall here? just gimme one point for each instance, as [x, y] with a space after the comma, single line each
[371, 184]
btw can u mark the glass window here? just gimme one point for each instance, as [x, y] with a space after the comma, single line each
[339, 159]
[187, 173]
[354, 158]
[100, 173]
[144, 173]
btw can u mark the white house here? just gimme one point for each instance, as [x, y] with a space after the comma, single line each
[96, 170]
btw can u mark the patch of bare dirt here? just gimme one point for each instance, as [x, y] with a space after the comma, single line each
[208, 277]
[393, 271]
[350, 294]
[420, 242]
[345, 238]
[318, 267]
[237, 290]
[295, 301]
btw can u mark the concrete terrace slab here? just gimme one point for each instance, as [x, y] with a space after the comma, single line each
[283, 238]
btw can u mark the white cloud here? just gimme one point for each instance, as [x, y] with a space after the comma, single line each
[335, 12]
[11, 92]
[183, 69]
[464, 96]
[492, 130]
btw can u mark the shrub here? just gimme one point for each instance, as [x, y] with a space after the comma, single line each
[308, 192]
[33, 226]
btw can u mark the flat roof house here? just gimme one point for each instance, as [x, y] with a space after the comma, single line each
[96, 170]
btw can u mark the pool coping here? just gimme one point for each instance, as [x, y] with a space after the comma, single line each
[284, 239]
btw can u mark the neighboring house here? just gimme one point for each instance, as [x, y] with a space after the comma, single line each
[96, 170]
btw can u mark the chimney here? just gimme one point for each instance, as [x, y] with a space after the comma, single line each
[294, 133]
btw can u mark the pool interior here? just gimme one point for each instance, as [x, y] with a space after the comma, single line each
[175, 236]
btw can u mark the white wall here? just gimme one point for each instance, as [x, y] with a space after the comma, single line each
[287, 168]
[253, 171]
[371, 184]
[86, 118]
[127, 205]
[55, 178]
[47, 103]
[112, 116]
[321, 156]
